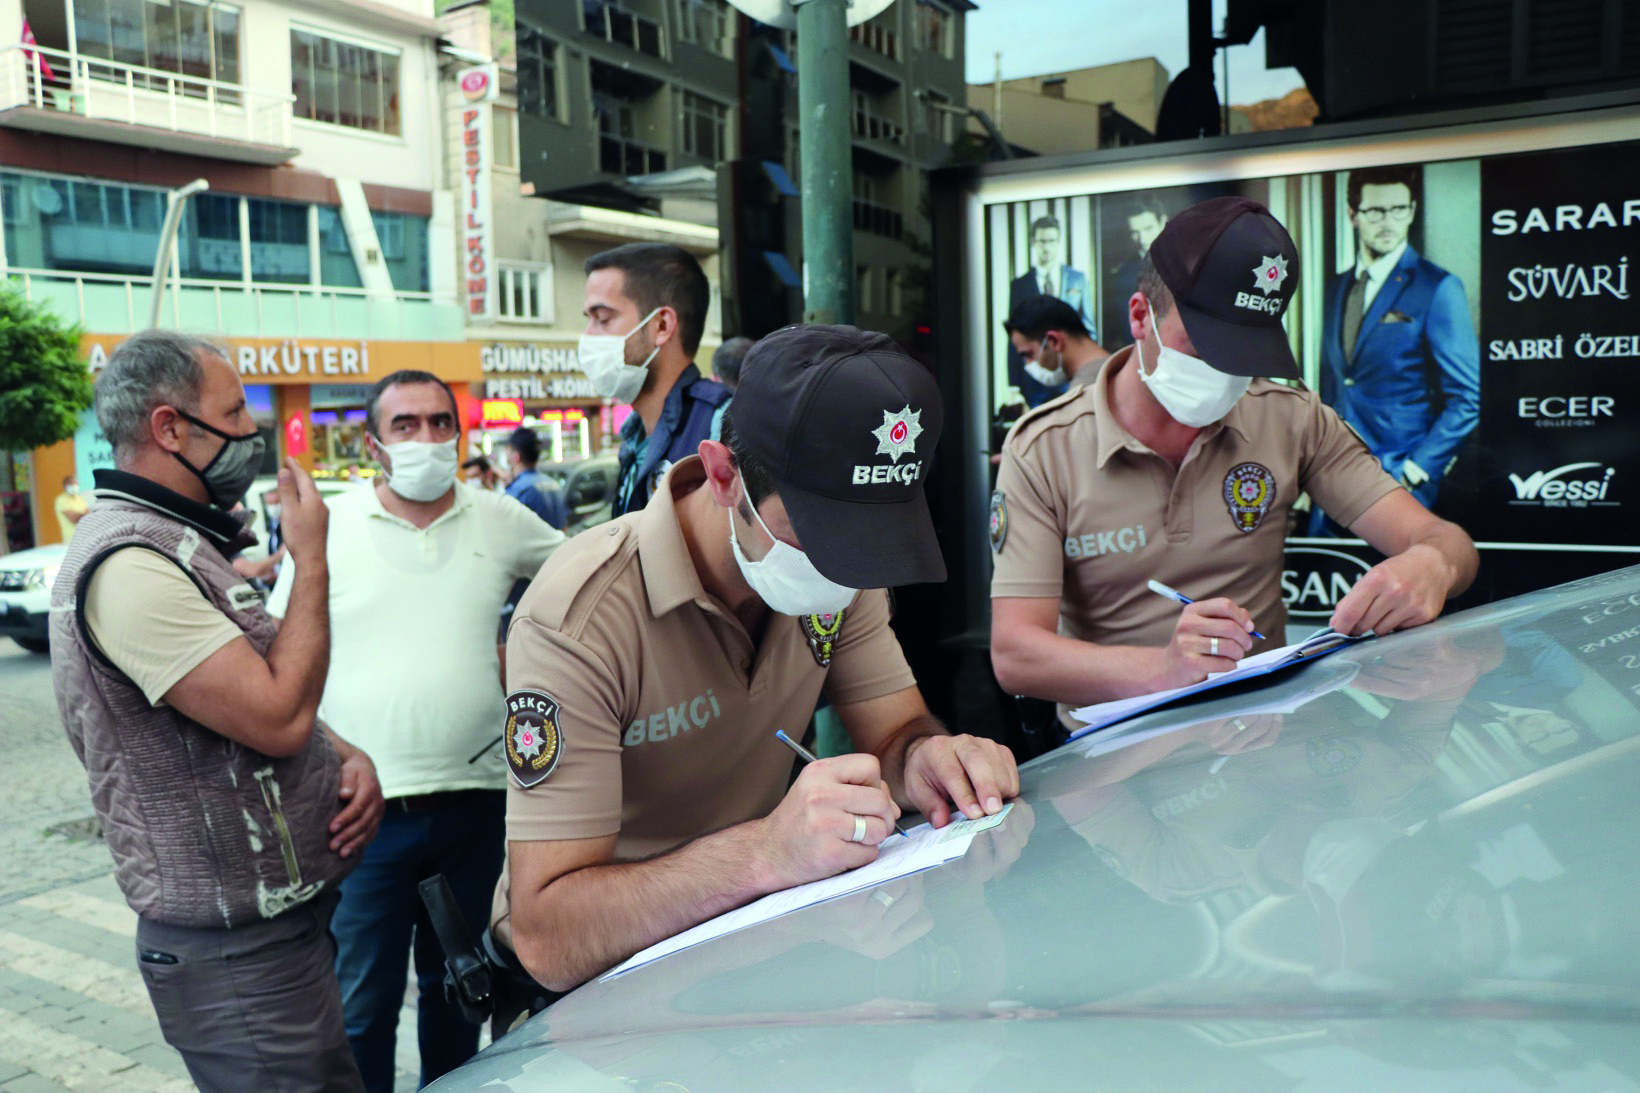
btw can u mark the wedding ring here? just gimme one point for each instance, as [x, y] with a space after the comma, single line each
[883, 898]
[1213, 648]
[859, 835]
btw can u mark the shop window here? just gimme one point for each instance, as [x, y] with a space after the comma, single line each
[279, 240]
[344, 83]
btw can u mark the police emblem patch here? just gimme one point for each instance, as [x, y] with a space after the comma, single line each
[1249, 489]
[532, 739]
[999, 521]
[822, 632]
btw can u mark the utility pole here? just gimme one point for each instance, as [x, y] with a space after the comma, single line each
[825, 147]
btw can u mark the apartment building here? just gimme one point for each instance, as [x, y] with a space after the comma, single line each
[320, 254]
[613, 93]
[524, 310]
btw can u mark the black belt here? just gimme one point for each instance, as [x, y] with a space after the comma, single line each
[427, 802]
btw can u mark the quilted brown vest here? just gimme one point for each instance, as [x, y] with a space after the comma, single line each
[205, 832]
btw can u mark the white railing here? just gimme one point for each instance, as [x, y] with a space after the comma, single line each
[192, 302]
[93, 88]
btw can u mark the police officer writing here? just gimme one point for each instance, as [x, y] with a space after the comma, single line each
[1179, 464]
[653, 658]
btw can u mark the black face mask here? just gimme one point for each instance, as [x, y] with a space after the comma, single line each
[232, 470]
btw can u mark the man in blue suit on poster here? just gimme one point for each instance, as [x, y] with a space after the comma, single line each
[1048, 276]
[1399, 358]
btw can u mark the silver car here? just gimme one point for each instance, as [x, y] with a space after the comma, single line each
[26, 578]
[1413, 865]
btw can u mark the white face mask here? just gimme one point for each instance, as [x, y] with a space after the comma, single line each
[603, 360]
[1193, 392]
[785, 579]
[420, 470]
[1039, 371]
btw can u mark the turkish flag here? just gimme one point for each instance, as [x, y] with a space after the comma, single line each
[39, 58]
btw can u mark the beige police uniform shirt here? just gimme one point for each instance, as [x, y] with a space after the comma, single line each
[1086, 514]
[638, 704]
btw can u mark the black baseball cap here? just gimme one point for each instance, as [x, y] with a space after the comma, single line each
[847, 424]
[1232, 269]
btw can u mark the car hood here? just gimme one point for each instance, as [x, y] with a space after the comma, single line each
[1411, 864]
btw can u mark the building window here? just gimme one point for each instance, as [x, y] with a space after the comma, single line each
[874, 211]
[705, 128]
[337, 266]
[538, 75]
[619, 150]
[504, 124]
[344, 83]
[404, 247]
[609, 20]
[80, 224]
[208, 242]
[521, 292]
[188, 37]
[706, 23]
[937, 116]
[935, 29]
[871, 119]
[279, 240]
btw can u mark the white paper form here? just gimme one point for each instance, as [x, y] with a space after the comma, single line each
[897, 856]
[1311, 648]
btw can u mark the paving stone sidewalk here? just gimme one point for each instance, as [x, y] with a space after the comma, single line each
[73, 1010]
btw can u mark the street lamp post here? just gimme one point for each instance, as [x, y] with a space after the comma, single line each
[828, 175]
[167, 243]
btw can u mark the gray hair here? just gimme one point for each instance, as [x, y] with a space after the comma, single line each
[149, 369]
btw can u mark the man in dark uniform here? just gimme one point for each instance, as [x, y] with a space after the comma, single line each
[646, 310]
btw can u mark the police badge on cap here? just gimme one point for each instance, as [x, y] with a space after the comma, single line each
[532, 740]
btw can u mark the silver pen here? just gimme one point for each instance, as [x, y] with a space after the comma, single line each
[808, 757]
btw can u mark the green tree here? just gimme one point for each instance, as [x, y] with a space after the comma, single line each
[44, 383]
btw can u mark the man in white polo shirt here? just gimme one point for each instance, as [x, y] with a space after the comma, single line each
[420, 567]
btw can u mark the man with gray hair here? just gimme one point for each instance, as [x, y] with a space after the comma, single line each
[231, 812]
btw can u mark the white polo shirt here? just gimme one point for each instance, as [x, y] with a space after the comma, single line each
[415, 679]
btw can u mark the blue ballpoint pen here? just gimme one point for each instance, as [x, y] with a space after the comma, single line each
[1179, 597]
[808, 757]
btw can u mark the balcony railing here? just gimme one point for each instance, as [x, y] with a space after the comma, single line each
[621, 27]
[877, 219]
[99, 90]
[869, 126]
[877, 38]
[621, 156]
[114, 304]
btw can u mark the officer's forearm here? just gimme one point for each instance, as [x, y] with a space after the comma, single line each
[586, 921]
[1038, 663]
